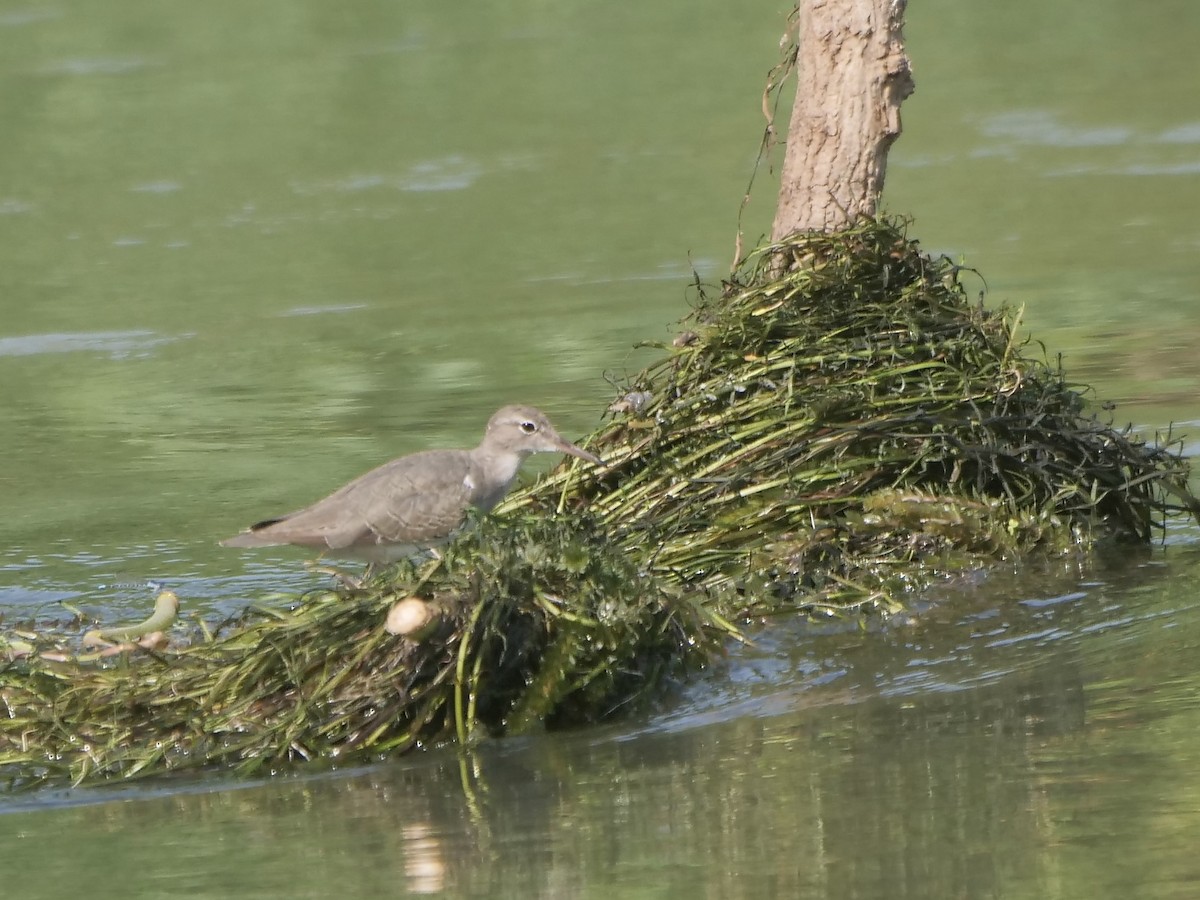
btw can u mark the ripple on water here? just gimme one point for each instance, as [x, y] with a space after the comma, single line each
[16, 18]
[451, 173]
[117, 344]
[1043, 128]
[99, 65]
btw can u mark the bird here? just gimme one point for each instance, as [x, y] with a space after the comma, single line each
[416, 503]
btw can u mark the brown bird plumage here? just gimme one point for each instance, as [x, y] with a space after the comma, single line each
[416, 502]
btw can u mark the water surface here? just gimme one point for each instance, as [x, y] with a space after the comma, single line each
[250, 253]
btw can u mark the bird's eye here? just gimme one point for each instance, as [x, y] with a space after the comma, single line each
[528, 427]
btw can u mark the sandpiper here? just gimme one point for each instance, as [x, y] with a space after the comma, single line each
[416, 503]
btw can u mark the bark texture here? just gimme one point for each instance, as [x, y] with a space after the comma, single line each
[853, 74]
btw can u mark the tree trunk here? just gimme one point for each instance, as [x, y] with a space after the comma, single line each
[853, 75]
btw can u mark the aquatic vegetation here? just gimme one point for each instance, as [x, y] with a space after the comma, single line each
[836, 425]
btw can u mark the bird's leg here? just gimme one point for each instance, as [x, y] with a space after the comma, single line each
[344, 579]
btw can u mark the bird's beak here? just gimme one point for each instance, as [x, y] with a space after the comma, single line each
[567, 447]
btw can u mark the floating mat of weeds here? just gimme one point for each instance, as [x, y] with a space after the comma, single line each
[841, 421]
[537, 622]
[835, 425]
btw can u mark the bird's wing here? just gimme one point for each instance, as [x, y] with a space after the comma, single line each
[404, 501]
[421, 504]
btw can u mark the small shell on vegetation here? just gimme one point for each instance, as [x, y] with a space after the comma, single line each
[412, 618]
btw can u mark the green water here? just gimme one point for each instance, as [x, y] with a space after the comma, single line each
[251, 251]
